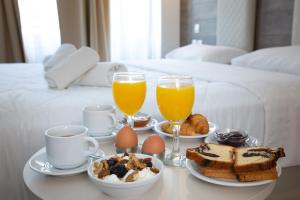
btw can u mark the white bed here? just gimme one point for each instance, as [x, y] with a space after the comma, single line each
[266, 104]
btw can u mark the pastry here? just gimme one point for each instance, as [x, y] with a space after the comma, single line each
[199, 123]
[166, 127]
[194, 124]
[186, 129]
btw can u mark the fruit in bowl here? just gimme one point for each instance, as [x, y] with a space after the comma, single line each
[125, 175]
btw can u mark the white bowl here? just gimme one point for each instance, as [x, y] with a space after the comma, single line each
[125, 190]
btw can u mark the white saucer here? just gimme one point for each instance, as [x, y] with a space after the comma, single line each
[106, 138]
[148, 126]
[39, 163]
[99, 154]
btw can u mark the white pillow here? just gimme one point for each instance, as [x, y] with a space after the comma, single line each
[205, 53]
[279, 59]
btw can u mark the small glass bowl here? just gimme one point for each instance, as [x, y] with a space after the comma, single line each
[232, 137]
[140, 120]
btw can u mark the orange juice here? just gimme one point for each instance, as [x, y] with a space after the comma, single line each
[175, 103]
[129, 96]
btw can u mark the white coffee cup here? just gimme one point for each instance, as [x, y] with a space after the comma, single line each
[68, 146]
[99, 119]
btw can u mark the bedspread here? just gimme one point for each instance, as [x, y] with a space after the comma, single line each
[263, 103]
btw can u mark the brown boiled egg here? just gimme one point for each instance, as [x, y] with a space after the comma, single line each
[126, 138]
[154, 144]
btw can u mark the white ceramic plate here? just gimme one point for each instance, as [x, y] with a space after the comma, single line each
[212, 128]
[149, 126]
[193, 169]
[250, 142]
[39, 163]
[106, 138]
[99, 154]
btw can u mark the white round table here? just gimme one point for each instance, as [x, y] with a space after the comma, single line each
[176, 183]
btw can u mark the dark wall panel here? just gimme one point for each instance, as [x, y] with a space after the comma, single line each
[201, 12]
[274, 21]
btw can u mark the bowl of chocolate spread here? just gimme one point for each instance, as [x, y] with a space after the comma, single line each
[232, 137]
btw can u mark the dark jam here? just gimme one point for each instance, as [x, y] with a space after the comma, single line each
[234, 138]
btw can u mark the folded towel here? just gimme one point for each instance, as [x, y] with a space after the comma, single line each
[61, 53]
[101, 74]
[71, 68]
[45, 61]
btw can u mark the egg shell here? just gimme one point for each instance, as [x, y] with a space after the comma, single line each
[126, 138]
[154, 144]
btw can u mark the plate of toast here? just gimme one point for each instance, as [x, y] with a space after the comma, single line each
[195, 126]
[236, 167]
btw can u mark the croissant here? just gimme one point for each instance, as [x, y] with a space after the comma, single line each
[199, 123]
[185, 129]
[194, 124]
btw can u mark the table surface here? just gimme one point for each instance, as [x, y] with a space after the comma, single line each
[176, 183]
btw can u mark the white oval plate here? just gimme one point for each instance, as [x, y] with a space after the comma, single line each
[193, 169]
[212, 128]
[39, 163]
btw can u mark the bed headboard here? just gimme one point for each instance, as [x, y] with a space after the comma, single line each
[276, 22]
[236, 23]
[296, 24]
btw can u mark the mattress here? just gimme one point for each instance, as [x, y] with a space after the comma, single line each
[28, 107]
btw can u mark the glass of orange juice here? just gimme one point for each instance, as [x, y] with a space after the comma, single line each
[129, 91]
[175, 99]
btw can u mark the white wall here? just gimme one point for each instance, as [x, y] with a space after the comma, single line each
[170, 23]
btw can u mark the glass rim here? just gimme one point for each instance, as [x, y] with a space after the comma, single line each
[175, 77]
[129, 74]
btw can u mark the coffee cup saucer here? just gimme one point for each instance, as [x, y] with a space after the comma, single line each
[110, 136]
[39, 163]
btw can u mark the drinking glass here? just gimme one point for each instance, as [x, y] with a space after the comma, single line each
[129, 91]
[175, 99]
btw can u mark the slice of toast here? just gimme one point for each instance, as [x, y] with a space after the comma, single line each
[269, 174]
[256, 158]
[212, 155]
[218, 173]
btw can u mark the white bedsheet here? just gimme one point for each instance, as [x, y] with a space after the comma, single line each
[28, 107]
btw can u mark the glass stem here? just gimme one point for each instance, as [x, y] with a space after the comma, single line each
[130, 120]
[176, 132]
